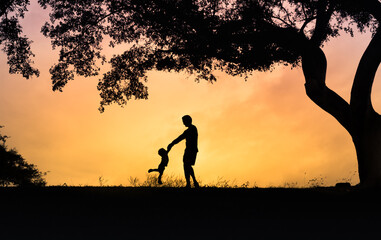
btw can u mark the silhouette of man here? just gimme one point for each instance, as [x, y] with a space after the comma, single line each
[190, 135]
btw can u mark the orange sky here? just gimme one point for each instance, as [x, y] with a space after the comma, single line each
[265, 131]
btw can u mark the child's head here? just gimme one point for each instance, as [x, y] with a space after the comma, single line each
[162, 152]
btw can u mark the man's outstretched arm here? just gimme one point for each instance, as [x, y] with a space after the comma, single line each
[176, 141]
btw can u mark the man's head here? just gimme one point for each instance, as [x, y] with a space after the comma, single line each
[187, 120]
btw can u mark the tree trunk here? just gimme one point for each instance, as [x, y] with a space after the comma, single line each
[367, 140]
[358, 117]
[366, 122]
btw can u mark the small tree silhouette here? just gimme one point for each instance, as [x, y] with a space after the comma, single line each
[15, 171]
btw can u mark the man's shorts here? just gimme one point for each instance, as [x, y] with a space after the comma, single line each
[190, 157]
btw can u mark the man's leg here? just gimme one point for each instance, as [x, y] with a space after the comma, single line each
[192, 161]
[195, 183]
[187, 173]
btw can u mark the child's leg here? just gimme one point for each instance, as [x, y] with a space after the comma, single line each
[159, 178]
[161, 171]
[153, 170]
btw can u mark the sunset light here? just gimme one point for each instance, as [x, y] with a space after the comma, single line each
[264, 130]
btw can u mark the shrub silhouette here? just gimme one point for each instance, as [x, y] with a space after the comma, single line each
[151, 181]
[177, 182]
[15, 171]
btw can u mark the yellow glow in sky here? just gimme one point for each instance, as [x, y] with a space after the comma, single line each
[265, 130]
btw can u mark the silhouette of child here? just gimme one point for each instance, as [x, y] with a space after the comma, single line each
[164, 162]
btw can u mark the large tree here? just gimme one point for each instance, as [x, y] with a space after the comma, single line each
[234, 36]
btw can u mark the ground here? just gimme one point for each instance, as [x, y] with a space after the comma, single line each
[178, 213]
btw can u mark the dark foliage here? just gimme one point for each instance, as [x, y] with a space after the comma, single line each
[15, 171]
[197, 36]
[14, 44]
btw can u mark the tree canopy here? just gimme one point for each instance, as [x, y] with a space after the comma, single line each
[196, 36]
[13, 42]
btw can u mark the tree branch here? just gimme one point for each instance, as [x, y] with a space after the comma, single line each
[307, 21]
[322, 21]
[283, 21]
[364, 78]
[314, 66]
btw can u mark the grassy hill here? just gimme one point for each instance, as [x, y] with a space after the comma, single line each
[178, 213]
